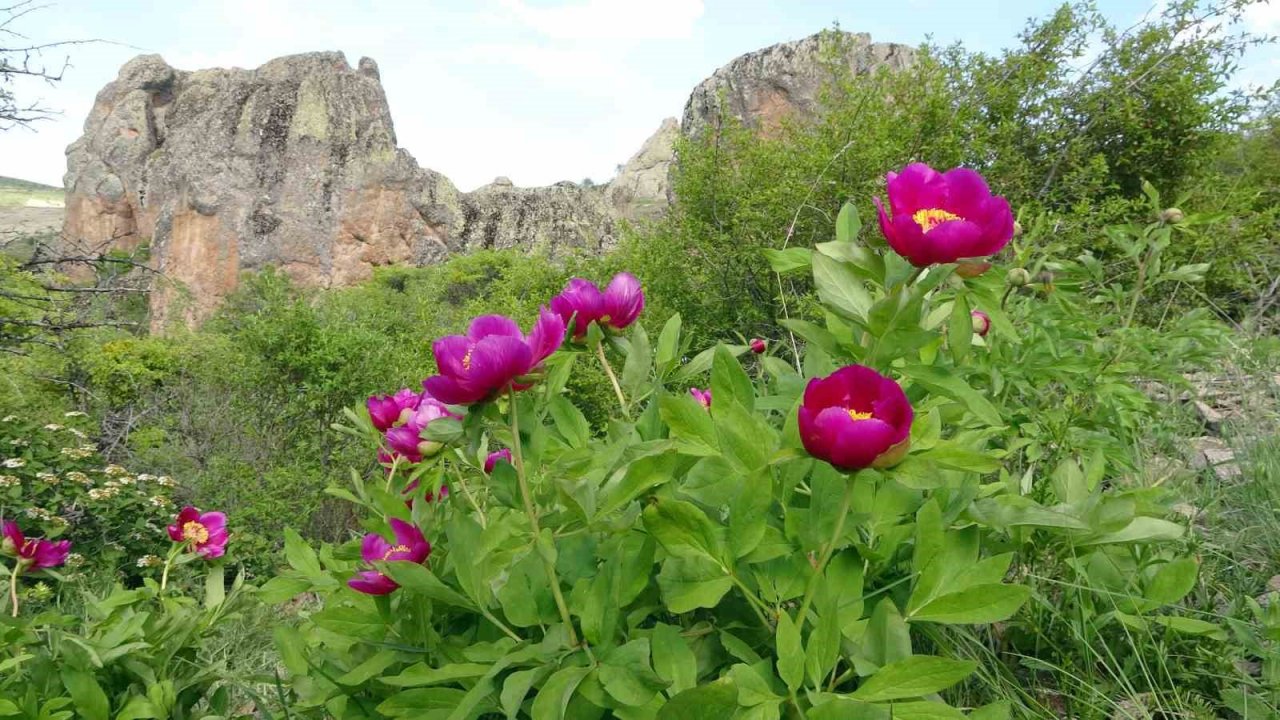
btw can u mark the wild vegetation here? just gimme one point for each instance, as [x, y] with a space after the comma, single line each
[671, 497]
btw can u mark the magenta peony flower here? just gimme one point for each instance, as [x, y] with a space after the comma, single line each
[387, 410]
[35, 553]
[206, 533]
[855, 418]
[758, 346]
[617, 307]
[410, 546]
[943, 217]
[981, 322]
[503, 455]
[406, 440]
[702, 396]
[491, 357]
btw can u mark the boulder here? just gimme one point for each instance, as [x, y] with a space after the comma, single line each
[640, 190]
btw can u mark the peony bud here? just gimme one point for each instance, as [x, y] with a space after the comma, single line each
[758, 346]
[702, 396]
[1171, 216]
[981, 323]
[1017, 228]
[1018, 277]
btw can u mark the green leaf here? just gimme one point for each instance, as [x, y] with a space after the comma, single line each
[790, 653]
[673, 659]
[635, 371]
[7, 707]
[848, 223]
[90, 701]
[516, 687]
[840, 288]
[668, 352]
[941, 381]
[960, 330]
[949, 455]
[913, 677]
[555, 694]
[1191, 626]
[887, 639]
[1141, 530]
[999, 710]
[443, 430]
[417, 702]
[1173, 581]
[729, 382]
[215, 586]
[282, 588]
[1008, 511]
[713, 701]
[368, 669]
[300, 555]
[354, 622]
[293, 649]
[788, 260]
[419, 580]
[683, 530]
[137, 708]
[641, 476]
[986, 603]
[421, 674]
[745, 440]
[627, 677]
[688, 584]
[570, 421]
[690, 423]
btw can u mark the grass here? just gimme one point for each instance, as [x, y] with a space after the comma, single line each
[18, 193]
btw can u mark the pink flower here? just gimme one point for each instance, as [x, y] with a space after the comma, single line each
[410, 546]
[855, 418]
[406, 440]
[493, 356]
[981, 322]
[758, 346]
[943, 217]
[503, 455]
[702, 396]
[617, 307]
[205, 533]
[36, 553]
[387, 410]
[429, 497]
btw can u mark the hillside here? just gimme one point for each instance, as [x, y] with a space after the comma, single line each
[19, 193]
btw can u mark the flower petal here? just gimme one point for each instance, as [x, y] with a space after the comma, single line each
[490, 325]
[623, 300]
[917, 187]
[908, 239]
[955, 239]
[450, 352]
[372, 582]
[967, 192]
[374, 547]
[498, 360]
[452, 391]
[14, 534]
[546, 336]
[213, 521]
[51, 554]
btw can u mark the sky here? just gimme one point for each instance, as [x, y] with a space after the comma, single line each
[536, 90]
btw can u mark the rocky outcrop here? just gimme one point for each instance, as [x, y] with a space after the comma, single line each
[292, 165]
[640, 190]
[295, 165]
[764, 87]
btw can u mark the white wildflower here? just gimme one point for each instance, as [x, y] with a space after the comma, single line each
[75, 413]
[150, 561]
[76, 476]
[48, 477]
[14, 462]
[9, 418]
[20, 442]
[114, 470]
[53, 426]
[159, 501]
[166, 481]
[9, 481]
[75, 560]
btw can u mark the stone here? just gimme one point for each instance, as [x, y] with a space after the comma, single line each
[1209, 415]
[763, 88]
[641, 189]
[292, 165]
[1214, 454]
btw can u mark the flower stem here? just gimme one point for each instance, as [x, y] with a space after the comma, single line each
[13, 590]
[826, 553]
[462, 484]
[168, 563]
[552, 578]
[608, 370]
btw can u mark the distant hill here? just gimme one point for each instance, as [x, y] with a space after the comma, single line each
[19, 193]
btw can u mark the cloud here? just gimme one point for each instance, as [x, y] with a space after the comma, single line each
[1263, 17]
[611, 19]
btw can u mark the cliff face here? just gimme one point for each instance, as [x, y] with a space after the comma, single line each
[292, 165]
[295, 165]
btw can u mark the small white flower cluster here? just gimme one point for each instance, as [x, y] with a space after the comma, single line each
[9, 481]
[75, 413]
[146, 477]
[41, 514]
[79, 453]
[75, 560]
[14, 462]
[104, 493]
[77, 433]
[114, 471]
[20, 442]
[9, 418]
[76, 476]
[147, 561]
[159, 501]
[48, 477]
[53, 426]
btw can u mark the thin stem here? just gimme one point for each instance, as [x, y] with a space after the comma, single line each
[826, 553]
[1138, 287]
[608, 370]
[13, 590]
[552, 578]
[168, 563]
[466, 491]
[501, 626]
[753, 601]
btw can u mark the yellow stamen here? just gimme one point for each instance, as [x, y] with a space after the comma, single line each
[932, 218]
[195, 532]
[395, 549]
[859, 415]
[466, 360]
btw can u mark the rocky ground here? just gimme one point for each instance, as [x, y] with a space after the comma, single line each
[30, 220]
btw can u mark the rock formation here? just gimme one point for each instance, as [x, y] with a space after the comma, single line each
[295, 165]
[763, 87]
[292, 165]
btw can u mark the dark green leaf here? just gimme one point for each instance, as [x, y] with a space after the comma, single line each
[913, 677]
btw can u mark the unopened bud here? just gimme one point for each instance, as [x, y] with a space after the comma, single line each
[981, 323]
[1018, 277]
[758, 346]
[1017, 228]
[8, 547]
[1171, 215]
[430, 448]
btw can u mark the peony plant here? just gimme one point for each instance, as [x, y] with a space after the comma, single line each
[785, 550]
